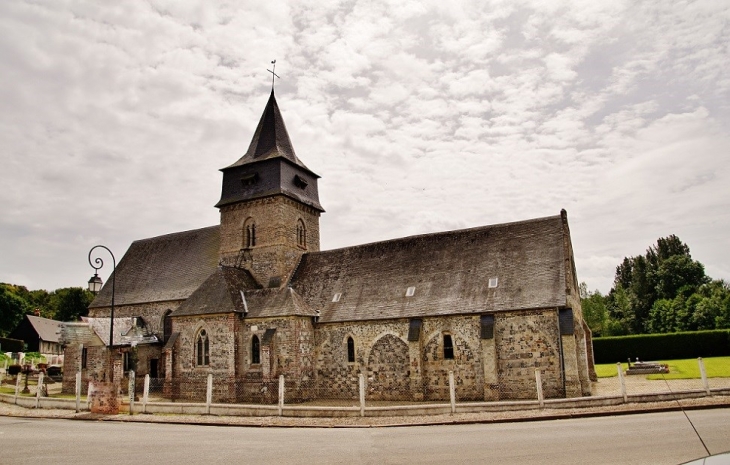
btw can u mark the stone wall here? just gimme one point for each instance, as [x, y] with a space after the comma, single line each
[526, 341]
[289, 352]
[96, 362]
[189, 378]
[484, 369]
[580, 381]
[153, 314]
[398, 369]
[466, 364]
[277, 251]
[314, 358]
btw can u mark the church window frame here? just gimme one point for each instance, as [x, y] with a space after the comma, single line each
[202, 349]
[249, 233]
[127, 361]
[448, 346]
[84, 357]
[350, 350]
[255, 350]
[301, 234]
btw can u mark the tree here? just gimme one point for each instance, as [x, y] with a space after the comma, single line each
[70, 303]
[666, 271]
[595, 312]
[620, 314]
[12, 308]
[679, 273]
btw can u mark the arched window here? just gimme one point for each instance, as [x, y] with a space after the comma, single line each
[166, 326]
[301, 234]
[255, 350]
[249, 233]
[350, 350]
[202, 349]
[448, 347]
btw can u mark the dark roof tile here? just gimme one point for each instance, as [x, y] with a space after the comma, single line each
[271, 139]
[450, 272]
[163, 268]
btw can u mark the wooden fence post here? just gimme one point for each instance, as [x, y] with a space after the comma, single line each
[77, 391]
[209, 394]
[703, 373]
[622, 382]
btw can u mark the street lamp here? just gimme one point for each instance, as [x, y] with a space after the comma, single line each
[95, 284]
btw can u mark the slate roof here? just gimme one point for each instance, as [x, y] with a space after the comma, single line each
[79, 332]
[48, 330]
[269, 167]
[163, 268]
[125, 331]
[450, 272]
[222, 293]
[271, 139]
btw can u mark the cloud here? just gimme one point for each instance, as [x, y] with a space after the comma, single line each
[420, 116]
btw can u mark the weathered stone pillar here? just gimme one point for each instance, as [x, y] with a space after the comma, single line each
[589, 353]
[103, 397]
[491, 373]
[581, 354]
[118, 371]
[570, 366]
[167, 387]
[416, 376]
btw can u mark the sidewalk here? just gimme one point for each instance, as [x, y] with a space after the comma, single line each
[11, 410]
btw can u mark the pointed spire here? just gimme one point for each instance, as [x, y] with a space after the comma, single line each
[271, 139]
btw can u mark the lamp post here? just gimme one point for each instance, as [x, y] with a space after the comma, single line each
[95, 284]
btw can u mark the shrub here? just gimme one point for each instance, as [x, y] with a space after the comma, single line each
[13, 370]
[671, 346]
[11, 345]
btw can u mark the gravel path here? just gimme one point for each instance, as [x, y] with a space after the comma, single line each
[363, 422]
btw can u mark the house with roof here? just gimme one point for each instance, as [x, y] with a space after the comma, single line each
[40, 335]
[254, 298]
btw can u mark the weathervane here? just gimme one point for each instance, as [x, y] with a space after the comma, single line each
[273, 74]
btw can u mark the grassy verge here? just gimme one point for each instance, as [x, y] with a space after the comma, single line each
[716, 367]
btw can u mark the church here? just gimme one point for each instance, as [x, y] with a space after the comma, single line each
[254, 298]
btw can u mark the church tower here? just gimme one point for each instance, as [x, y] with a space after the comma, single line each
[269, 205]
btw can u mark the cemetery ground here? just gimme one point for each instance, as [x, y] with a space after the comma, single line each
[717, 367]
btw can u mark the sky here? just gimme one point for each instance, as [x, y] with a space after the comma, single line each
[420, 116]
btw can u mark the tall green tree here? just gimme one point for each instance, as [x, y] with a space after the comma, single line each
[666, 271]
[70, 303]
[595, 312]
[12, 308]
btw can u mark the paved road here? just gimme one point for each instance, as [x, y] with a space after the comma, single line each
[649, 438]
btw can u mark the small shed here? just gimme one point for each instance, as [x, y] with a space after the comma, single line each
[40, 335]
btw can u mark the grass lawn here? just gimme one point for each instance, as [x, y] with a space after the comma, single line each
[716, 367]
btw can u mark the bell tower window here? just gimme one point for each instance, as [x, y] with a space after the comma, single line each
[301, 234]
[249, 234]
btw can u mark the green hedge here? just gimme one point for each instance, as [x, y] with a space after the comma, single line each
[11, 345]
[670, 346]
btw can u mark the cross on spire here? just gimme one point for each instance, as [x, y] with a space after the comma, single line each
[273, 74]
